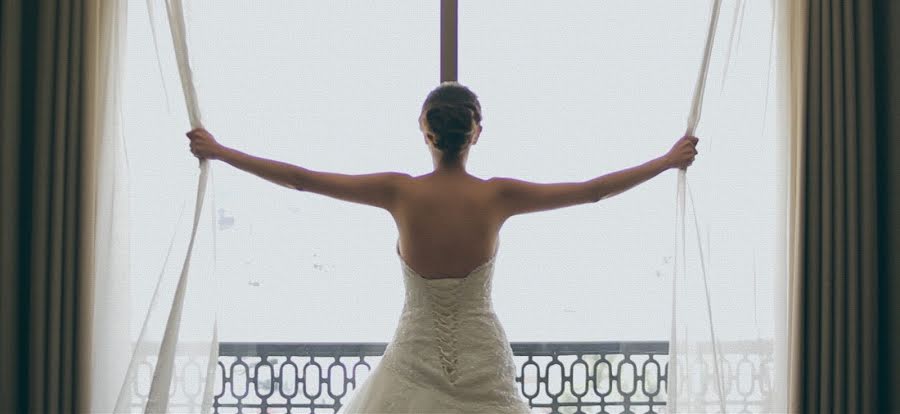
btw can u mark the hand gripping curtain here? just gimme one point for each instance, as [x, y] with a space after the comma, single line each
[178, 338]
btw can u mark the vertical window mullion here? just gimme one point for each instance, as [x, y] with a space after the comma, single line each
[449, 31]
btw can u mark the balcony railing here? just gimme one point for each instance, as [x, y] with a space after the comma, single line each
[553, 377]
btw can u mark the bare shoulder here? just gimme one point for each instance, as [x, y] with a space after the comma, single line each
[398, 178]
[505, 185]
[515, 196]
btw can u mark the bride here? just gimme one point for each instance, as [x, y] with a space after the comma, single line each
[449, 352]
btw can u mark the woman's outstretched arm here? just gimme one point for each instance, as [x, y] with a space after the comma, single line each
[680, 156]
[519, 197]
[378, 189]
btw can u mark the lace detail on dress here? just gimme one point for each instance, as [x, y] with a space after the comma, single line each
[445, 318]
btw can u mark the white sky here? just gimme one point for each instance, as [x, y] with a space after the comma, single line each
[570, 90]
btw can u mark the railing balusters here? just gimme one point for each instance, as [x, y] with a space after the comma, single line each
[585, 376]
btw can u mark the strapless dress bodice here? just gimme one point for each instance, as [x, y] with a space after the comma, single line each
[449, 339]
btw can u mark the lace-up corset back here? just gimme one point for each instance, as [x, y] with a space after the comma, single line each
[449, 336]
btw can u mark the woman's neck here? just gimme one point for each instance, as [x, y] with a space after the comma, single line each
[450, 165]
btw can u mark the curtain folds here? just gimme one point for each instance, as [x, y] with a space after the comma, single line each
[48, 79]
[886, 29]
[718, 314]
[107, 239]
[791, 20]
[836, 354]
[167, 353]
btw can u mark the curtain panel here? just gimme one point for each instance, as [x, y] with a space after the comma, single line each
[886, 26]
[52, 78]
[846, 299]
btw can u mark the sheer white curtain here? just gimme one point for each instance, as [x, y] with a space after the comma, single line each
[109, 334]
[155, 345]
[728, 339]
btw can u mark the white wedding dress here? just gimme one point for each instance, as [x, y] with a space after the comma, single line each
[449, 353]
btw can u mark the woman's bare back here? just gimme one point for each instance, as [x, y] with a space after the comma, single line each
[448, 223]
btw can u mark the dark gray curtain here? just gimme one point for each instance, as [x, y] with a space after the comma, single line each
[887, 146]
[41, 84]
[848, 248]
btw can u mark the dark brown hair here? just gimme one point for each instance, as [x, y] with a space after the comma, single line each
[451, 112]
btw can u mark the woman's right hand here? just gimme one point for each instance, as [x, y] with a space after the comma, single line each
[203, 144]
[683, 152]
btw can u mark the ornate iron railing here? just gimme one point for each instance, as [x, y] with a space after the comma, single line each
[554, 377]
[568, 377]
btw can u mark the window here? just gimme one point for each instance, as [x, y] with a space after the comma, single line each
[569, 91]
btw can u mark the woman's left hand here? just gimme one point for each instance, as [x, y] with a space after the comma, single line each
[204, 145]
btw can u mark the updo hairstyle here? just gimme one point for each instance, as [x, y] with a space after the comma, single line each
[451, 115]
